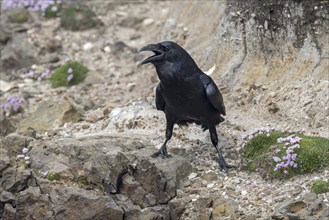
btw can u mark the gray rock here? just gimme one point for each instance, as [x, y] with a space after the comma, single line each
[6, 125]
[9, 212]
[15, 143]
[18, 53]
[131, 22]
[32, 204]
[176, 208]
[7, 197]
[224, 208]
[113, 165]
[50, 115]
[90, 205]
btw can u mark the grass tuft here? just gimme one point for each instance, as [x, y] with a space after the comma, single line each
[61, 76]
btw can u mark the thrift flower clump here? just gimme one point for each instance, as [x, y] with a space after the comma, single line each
[13, 105]
[283, 154]
[32, 75]
[24, 157]
[291, 143]
[33, 5]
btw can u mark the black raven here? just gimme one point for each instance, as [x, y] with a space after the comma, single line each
[185, 94]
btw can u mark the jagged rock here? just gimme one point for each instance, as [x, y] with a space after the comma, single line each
[90, 205]
[5, 125]
[95, 115]
[9, 212]
[177, 208]
[14, 143]
[18, 53]
[115, 165]
[50, 115]
[224, 208]
[131, 22]
[15, 179]
[32, 204]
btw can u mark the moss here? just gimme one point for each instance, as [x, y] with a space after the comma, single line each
[320, 186]
[59, 76]
[83, 180]
[49, 13]
[313, 154]
[53, 176]
[78, 17]
[19, 15]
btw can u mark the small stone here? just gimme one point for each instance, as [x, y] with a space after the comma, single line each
[210, 185]
[244, 192]
[192, 176]
[147, 22]
[87, 46]
[107, 49]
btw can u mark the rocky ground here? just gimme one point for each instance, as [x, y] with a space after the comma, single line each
[96, 138]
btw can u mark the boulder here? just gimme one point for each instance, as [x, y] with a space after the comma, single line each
[50, 115]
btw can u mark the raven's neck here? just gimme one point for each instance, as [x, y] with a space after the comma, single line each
[175, 73]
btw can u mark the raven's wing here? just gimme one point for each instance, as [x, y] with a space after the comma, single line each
[159, 101]
[213, 94]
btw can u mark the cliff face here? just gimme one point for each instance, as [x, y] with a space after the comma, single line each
[271, 57]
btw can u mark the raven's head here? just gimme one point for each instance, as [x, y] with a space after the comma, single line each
[164, 51]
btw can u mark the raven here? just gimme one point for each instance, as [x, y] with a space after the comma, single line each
[185, 94]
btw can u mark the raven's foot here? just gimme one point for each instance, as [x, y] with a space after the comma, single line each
[223, 166]
[163, 152]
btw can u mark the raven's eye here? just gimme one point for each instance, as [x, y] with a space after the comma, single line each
[166, 48]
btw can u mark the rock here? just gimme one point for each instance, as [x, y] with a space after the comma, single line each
[203, 202]
[224, 208]
[15, 143]
[53, 45]
[6, 86]
[19, 15]
[90, 205]
[113, 165]
[131, 22]
[176, 208]
[7, 197]
[4, 36]
[18, 53]
[33, 204]
[95, 115]
[78, 17]
[50, 115]
[287, 207]
[9, 212]
[147, 22]
[6, 126]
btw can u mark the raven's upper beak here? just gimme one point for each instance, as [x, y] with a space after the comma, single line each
[158, 53]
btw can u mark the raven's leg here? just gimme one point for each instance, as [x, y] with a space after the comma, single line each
[214, 139]
[163, 150]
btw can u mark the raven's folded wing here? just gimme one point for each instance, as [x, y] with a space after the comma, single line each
[213, 94]
[159, 101]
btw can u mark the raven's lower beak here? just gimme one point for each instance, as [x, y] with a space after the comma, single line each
[156, 49]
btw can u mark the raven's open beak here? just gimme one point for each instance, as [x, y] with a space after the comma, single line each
[156, 49]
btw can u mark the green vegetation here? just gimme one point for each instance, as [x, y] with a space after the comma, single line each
[71, 73]
[268, 154]
[53, 176]
[320, 186]
[53, 10]
[19, 15]
[78, 17]
[83, 180]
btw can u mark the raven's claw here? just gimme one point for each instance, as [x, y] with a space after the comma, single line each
[163, 152]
